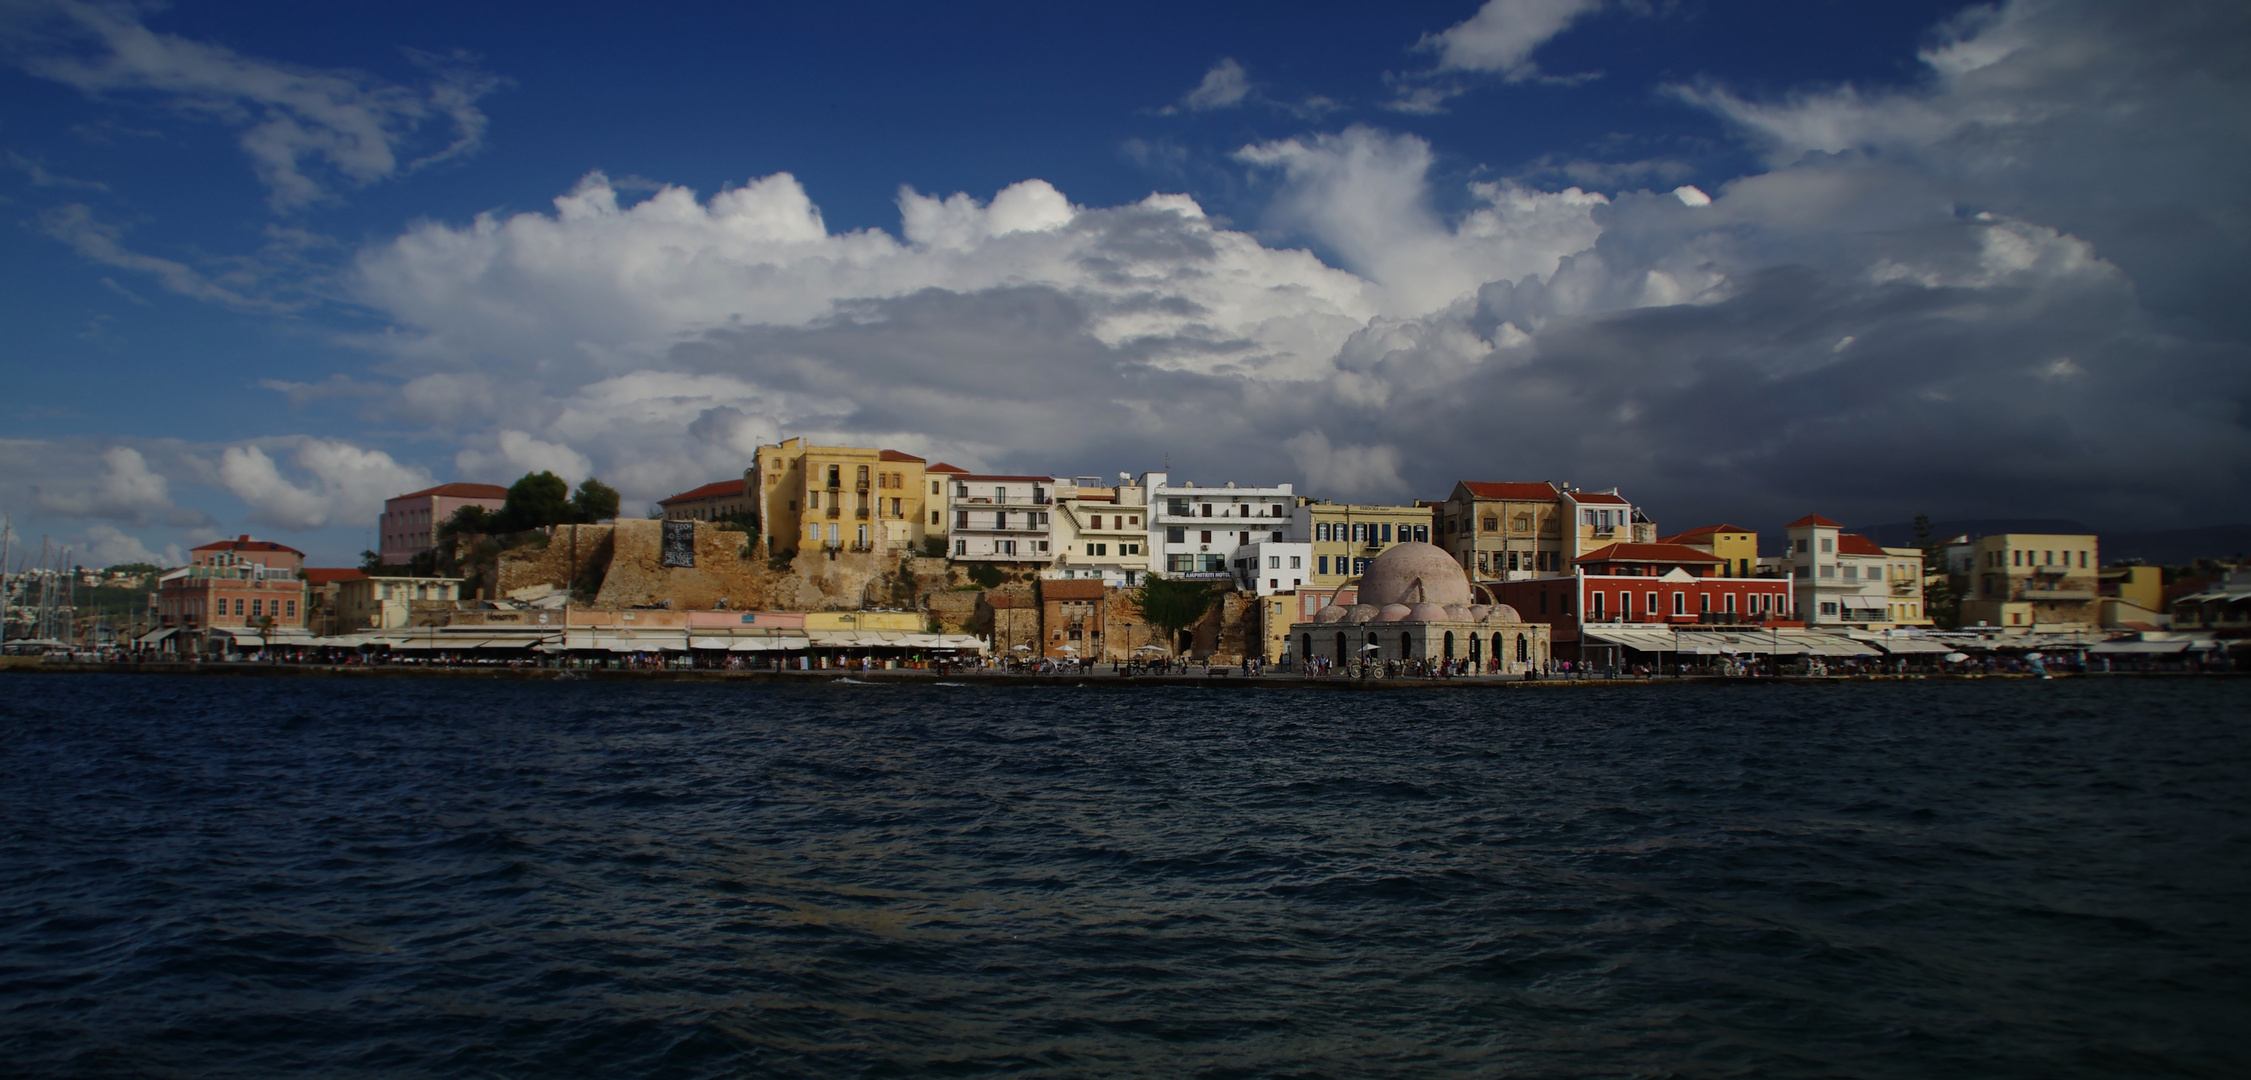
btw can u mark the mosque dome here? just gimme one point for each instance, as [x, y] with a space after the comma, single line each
[1505, 613]
[1361, 613]
[1412, 573]
[1457, 613]
[1479, 612]
[1427, 612]
[1331, 613]
[1395, 613]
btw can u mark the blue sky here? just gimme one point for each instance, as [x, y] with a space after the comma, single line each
[1745, 261]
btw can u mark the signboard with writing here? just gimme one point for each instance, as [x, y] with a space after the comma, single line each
[679, 543]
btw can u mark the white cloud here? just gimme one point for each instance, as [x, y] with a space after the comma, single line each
[106, 545]
[1223, 87]
[303, 129]
[339, 483]
[127, 490]
[1503, 35]
[516, 453]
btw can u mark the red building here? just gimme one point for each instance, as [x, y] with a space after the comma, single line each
[1660, 585]
[230, 583]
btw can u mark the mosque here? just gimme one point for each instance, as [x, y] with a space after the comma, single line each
[1417, 603]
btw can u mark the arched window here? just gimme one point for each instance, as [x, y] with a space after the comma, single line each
[1406, 645]
[1473, 653]
[1342, 655]
[1523, 649]
[1305, 647]
[1500, 647]
[1449, 646]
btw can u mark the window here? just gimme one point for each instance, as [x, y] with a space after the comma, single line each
[835, 476]
[1828, 545]
[895, 511]
[934, 487]
[1297, 562]
[1043, 547]
[1129, 549]
[1680, 603]
[1828, 607]
[1625, 603]
[1731, 603]
[1704, 602]
[1359, 566]
[1321, 564]
[1275, 536]
[1000, 519]
[2016, 558]
[961, 547]
[1801, 545]
[812, 500]
[934, 518]
[1273, 562]
[257, 609]
[1386, 532]
[2082, 560]
[1649, 603]
[1005, 547]
[1207, 509]
[1852, 573]
[238, 605]
[1828, 571]
[1098, 549]
[813, 532]
[832, 535]
[860, 477]
[1492, 524]
[961, 519]
[1206, 532]
[1321, 531]
[1176, 535]
[1596, 610]
[1422, 534]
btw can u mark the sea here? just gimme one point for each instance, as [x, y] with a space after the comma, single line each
[215, 876]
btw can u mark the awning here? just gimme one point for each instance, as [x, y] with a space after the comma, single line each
[154, 636]
[712, 643]
[2141, 648]
[1637, 640]
[1905, 646]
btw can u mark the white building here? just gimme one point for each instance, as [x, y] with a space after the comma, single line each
[1101, 533]
[1267, 567]
[1839, 578]
[1004, 518]
[1194, 531]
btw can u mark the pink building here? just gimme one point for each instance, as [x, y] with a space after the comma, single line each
[409, 525]
[230, 583]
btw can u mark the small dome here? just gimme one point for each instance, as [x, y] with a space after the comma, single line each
[1479, 612]
[1410, 573]
[1330, 613]
[1427, 612]
[1395, 613]
[1361, 613]
[1457, 612]
[1504, 613]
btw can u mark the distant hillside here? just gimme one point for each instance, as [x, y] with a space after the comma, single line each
[2171, 547]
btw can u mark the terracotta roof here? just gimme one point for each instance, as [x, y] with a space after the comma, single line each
[1699, 533]
[945, 468]
[1813, 519]
[322, 575]
[459, 490]
[1081, 589]
[708, 491]
[1010, 479]
[1672, 553]
[246, 544]
[1542, 491]
[897, 455]
[1856, 544]
[1599, 497]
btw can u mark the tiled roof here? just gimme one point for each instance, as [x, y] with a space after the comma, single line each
[945, 468]
[1813, 519]
[459, 490]
[1672, 553]
[1541, 491]
[1856, 544]
[1700, 533]
[897, 455]
[1011, 479]
[322, 575]
[708, 491]
[247, 544]
[1080, 589]
[1595, 497]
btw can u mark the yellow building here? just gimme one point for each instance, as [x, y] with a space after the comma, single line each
[1736, 547]
[1904, 573]
[1347, 537]
[855, 498]
[1100, 533]
[2028, 580]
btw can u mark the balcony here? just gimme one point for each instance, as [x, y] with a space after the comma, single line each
[2029, 593]
[861, 513]
[836, 511]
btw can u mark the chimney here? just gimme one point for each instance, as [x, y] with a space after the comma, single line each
[245, 538]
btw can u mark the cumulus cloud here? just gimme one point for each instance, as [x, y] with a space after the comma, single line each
[1503, 34]
[126, 490]
[514, 453]
[106, 545]
[304, 130]
[333, 482]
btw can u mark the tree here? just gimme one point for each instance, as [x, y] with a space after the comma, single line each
[1940, 605]
[535, 501]
[1173, 606]
[595, 501]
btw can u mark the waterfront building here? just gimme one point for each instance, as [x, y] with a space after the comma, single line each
[1517, 531]
[1736, 547]
[2223, 608]
[1416, 603]
[1903, 579]
[1267, 567]
[388, 603]
[2133, 598]
[1004, 518]
[321, 583]
[1346, 537]
[856, 498]
[1634, 586]
[409, 523]
[240, 583]
[711, 502]
[1101, 534]
[937, 503]
[1845, 579]
[1073, 618]
[1194, 531]
[2046, 581]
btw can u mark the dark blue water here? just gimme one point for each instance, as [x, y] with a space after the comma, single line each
[247, 877]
